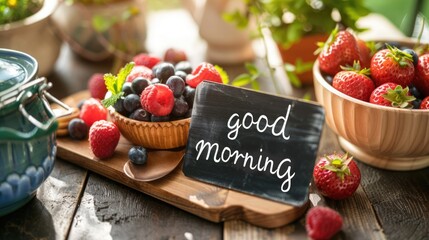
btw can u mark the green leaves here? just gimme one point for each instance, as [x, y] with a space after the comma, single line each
[114, 84]
[11, 11]
[249, 78]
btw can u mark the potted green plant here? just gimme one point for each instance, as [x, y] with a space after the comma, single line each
[297, 25]
[99, 29]
[25, 24]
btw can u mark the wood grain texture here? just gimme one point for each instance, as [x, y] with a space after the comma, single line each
[111, 211]
[400, 200]
[50, 213]
[204, 200]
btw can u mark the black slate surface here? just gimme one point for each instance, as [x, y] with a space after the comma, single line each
[253, 142]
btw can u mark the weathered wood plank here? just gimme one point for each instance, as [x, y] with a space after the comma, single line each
[110, 210]
[50, 213]
[400, 200]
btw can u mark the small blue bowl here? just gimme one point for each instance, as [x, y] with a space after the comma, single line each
[27, 130]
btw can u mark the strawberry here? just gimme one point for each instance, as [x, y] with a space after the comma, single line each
[103, 138]
[204, 71]
[336, 176]
[340, 49]
[144, 59]
[92, 110]
[364, 53]
[392, 65]
[354, 82]
[421, 81]
[425, 103]
[322, 223]
[157, 99]
[97, 86]
[392, 95]
[139, 71]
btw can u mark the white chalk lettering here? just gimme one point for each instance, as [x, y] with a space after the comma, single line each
[282, 171]
[261, 124]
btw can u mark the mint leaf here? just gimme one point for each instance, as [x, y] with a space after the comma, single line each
[224, 76]
[114, 84]
[107, 102]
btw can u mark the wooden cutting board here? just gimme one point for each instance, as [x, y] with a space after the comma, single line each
[204, 200]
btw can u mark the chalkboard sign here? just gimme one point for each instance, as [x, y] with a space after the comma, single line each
[253, 142]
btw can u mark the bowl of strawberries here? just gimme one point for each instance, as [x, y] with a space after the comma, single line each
[152, 103]
[376, 100]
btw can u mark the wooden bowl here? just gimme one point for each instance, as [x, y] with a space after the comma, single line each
[384, 137]
[153, 135]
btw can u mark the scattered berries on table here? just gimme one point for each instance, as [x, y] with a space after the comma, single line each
[322, 223]
[78, 129]
[96, 86]
[137, 155]
[92, 110]
[336, 176]
[103, 138]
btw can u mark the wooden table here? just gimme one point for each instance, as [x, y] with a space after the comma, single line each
[74, 203]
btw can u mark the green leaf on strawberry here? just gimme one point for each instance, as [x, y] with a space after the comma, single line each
[114, 84]
[399, 97]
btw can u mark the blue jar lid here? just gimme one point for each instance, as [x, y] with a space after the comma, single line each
[16, 68]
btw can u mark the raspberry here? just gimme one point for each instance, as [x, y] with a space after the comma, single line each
[174, 56]
[322, 223]
[97, 86]
[92, 111]
[103, 138]
[146, 60]
[157, 99]
[204, 71]
[139, 71]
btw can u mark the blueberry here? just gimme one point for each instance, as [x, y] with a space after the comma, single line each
[126, 88]
[328, 79]
[81, 102]
[164, 71]
[132, 102]
[177, 85]
[184, 66]
[181, 74]
[119, 107]
[416, 103]
[140, 115]
[138, 155]
[154, 118]
[155, 81]
[180, 107]
[413, 54]
[139, 84]
[415, 92]
[78, 130]
[189, 95]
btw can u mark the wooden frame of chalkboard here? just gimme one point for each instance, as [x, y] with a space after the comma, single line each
[253, 142]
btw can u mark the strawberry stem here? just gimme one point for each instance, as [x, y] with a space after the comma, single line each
[339, 165]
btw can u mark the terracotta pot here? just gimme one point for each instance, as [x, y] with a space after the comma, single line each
[304, 50]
